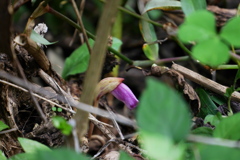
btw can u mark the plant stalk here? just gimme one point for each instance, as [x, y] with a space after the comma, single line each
[94, 71]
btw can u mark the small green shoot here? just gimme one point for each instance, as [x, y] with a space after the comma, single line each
[54, 109]
[59, 109]
[61, 124]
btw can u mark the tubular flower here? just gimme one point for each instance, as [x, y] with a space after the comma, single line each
[123, 93]
[119, 90]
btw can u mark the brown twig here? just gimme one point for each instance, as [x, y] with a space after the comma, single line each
[9, 130]
[35, 102]
[81, 25]
[18, 4]
[81, 106]
[213, 141]
[222, 14]
[205, 82]
[114, 121]
[36, 95]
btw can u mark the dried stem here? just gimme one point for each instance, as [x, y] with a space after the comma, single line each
[35, 102]
[205, 82]
[60, 98]
[114, 121]
[213, 141]
[38, 96]
[9, 130]
[81, 25]
[33, 49]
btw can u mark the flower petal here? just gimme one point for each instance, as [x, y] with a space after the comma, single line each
[106, 85]
[123, 93]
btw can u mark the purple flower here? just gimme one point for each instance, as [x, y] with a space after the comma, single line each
[118, 89]
[123, 93]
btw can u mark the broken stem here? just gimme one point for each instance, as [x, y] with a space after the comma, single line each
[205, 82]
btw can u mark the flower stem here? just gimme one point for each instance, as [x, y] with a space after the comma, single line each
[146, 63]
[222, 67]
[182, 45]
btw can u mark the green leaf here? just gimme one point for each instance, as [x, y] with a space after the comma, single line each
[2, 156]
[54, 109]
[117, 28]
[31, 146]
[3, 126]
[220, 100]
[59, 109]
[23, 156]
[59, 154]
[159, 147]
[147, 30]
[116, 44]
[231, 32]
[206, 131]
[149, 35]
[148, 51]
[78, 61]
[212, 52]
[194, 29]
[213, 119]
[237, 76]
[125, 156]
[229, 91]
[207, 105]
[39, 39]
[162, 5]
[165, 110]
[61, 124]
[228, 128]
[191, 6]
[212, 152]
[155, 14]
